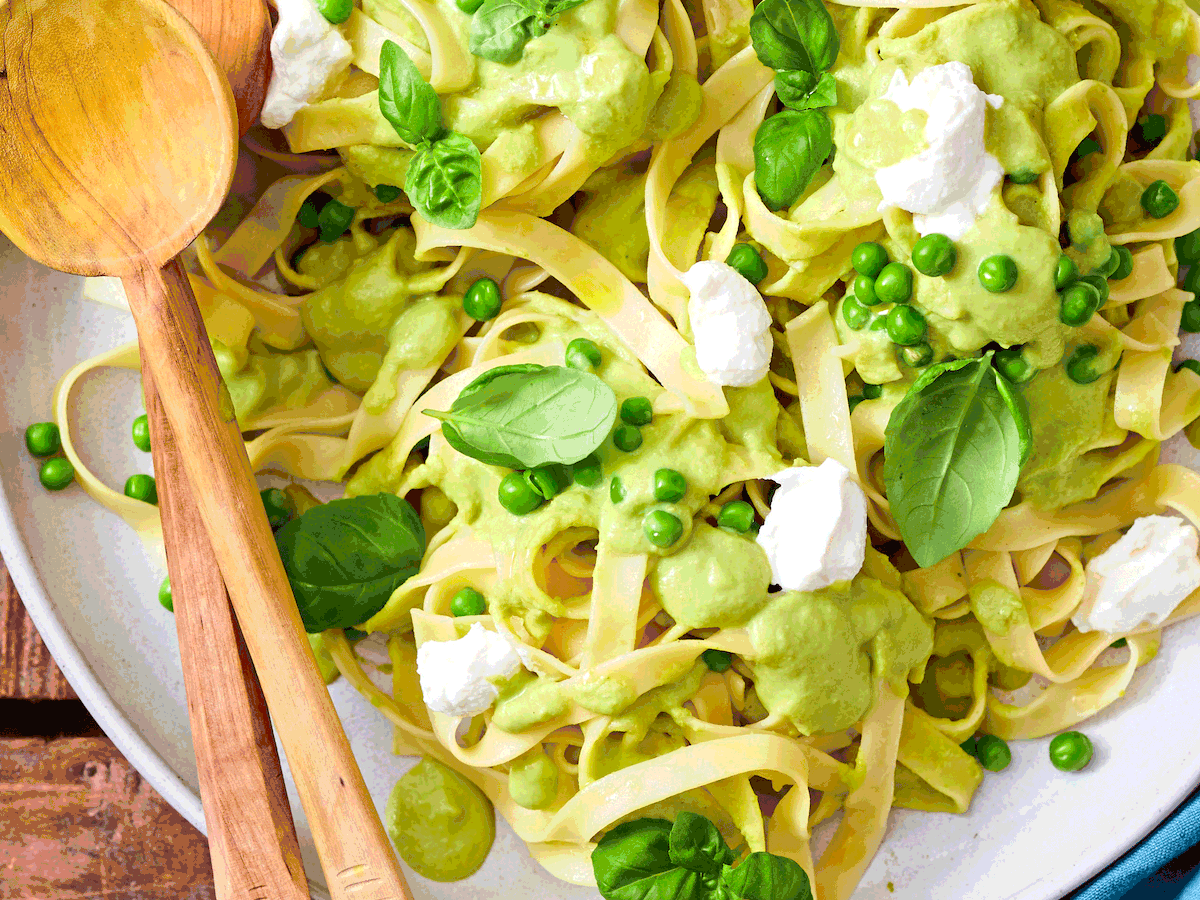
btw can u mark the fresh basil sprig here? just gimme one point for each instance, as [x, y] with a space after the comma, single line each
[653, 859]
[794, 36]
[800, 90]
[789, 149]
[345, 558]
[954, 447]
[500, 29]
[444, 180]
[524, 416]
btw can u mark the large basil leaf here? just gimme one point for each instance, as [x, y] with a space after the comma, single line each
[697, 845]
[500, 29]
[445, 181]
[794, 35]
[345, 558]
[789, 149]
[953, 451]
[405, 98]
[800, 90]
[763, 876]
[633, 862]
[520, 417]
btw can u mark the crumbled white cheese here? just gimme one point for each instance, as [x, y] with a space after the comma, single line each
[457, 676]
[1141, 578]
[816, 531]
[306, 52]
[730, 324]
[950, 183]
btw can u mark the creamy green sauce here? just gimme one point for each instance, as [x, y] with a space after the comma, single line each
[533, 780]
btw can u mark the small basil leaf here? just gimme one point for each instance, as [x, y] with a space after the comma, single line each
[500, 29]
[345, 558]
[697, 845]
[1019, 409]
[789, 149]
[405, 98]
[952, 457]
[444, 181]
[764, 876]
[521, 419]
[556, 8]
[794, 35]
[799, 90]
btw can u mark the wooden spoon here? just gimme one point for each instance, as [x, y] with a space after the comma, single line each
[117, 145]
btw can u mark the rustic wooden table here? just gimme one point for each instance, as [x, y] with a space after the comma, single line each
[76, 821]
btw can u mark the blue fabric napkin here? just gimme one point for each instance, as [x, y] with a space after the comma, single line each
[1165, 866]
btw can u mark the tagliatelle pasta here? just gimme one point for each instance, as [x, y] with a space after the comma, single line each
[617, 151]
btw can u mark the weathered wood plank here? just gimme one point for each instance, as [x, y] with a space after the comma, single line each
[26, 667]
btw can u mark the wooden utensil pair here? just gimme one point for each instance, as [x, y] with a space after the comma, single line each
[117, 146]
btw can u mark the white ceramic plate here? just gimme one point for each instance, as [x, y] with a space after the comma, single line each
[1032, 833]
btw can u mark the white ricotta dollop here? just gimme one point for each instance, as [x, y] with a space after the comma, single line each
[306, 52]
[1141, 578]
[950, 183]
[456, 676]
[816, 531]
[730, 324]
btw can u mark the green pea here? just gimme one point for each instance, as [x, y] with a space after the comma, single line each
[588, 471]
[1124, 264]
[878, 321]
[637, 411]
[43, 439]
[998, 273]
[1065, 272]
[583, 354]
[468, 6]
[905, 326]
[1078, 303]
[894, 284]
[517, 496]
[1081, 366]
[1159, 200]
[310, 209]
[864, 290]
[142, 487]
[917, 355]
[1024, 175]
[1153, 128]
[662, 528]
[934, 255]
[854, 400]
[969, 746]
[1187, 248]
[717, 660]
[737, 515]
[335, 217]
[55, 474]
[164, 595]
[669, 485]
[1087, 147]
[748, 262]
[992, 752]
[1070, 751]
[1191, 365]
[1189, 321]
[482, 300]
[854, 313]
[279, 505]
[141, 433]
[468, 602]
[872, 391]
[1011, 363]
[336, 11]
[627, 438]
[549, 480]
[1111, 264]
[869, 258]
[1100, 283]
[616, 489]
[387, 193]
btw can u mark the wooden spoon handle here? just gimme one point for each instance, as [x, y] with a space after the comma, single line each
[357, 857]
[251, 836]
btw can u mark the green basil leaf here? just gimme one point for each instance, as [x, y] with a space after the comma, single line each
[522, 418]
[500, 29]
[799, 90]
[405, 98]
[697, 845]
[1019, 409]
[345, 558]
[633, 862]
[764, 876]
[794, 35]
[555, 8]
[444, 181]
[953, 452]
[789, 149]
